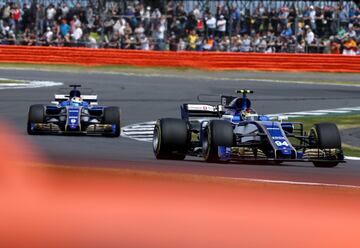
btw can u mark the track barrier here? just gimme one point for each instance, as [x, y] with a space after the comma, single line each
[197, 60]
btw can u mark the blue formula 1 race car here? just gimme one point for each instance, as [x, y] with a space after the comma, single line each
[233, 130]
[74, 113]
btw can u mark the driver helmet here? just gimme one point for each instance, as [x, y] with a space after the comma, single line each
[247, 114]
[76, 100]
[244, 114]
[251, 111]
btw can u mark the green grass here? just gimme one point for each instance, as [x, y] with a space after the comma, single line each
[11, 81]
[351, 150]
[343, 121]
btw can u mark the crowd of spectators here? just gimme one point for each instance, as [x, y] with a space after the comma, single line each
[329, 29]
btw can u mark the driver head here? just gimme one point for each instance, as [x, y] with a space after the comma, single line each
[76, 100]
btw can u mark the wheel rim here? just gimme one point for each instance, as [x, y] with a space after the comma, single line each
[205, 145]
[156, 142]
[313, 138]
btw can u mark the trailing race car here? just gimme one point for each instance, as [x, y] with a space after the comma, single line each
[234, 131]
[74, 113]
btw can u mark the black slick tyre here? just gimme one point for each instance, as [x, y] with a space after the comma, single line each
[170, 139]
[217, 133]
[112, 116]
[325, 136]
[36, 115]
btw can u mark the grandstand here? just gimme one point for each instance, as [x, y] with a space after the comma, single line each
[238, 26]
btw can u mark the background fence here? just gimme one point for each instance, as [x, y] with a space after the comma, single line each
[205, 60]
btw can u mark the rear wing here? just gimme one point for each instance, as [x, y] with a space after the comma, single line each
[226, 100]
[196, 110]
[91, 99]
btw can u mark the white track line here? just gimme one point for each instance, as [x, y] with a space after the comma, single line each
[352, 158]
[332, 111]
[21, 84]
[351, 109]
[295, 182]
[308, 113]
[319, 112]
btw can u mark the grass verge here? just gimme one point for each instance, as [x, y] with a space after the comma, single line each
[11, 81]
[352, 151]
[342, 121]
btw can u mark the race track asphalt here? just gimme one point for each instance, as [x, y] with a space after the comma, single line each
[151, 96]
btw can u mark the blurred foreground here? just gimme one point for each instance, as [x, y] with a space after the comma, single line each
[47, 206]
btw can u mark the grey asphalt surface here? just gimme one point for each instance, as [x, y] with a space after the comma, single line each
[351, 136]
[146, 98]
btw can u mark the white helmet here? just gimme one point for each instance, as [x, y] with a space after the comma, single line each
[77, 100]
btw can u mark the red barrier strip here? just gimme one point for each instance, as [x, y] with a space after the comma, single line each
[198, 60]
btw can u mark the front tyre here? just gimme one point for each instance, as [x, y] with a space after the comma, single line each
[170, 139]
[217, 133]
[36, 115]
[112, 117]
[325, 136]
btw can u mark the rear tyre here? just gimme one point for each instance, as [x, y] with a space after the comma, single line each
[170, 139]
[325, 136]
[112, 116]
[36, 115]
[217, 133]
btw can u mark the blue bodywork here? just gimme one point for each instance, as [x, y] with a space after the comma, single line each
[256, 137]
[73, 118]
[78, 116]
[70, 103]
[273, 130]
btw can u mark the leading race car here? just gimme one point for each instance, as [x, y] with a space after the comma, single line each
[74, 113]
[233, 130]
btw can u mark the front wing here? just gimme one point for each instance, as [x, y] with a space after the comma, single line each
[255, 155]
[92, 129]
